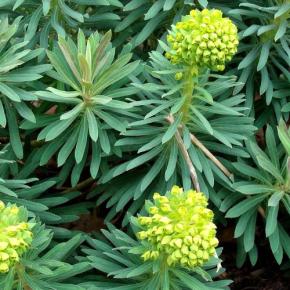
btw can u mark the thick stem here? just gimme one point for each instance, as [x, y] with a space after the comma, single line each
[164, 272]
[188, 86]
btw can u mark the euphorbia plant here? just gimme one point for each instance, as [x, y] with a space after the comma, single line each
[16, 235]
[262, 188]
[188, 116]
[28, 260]
[175, 247]
[179, 229]
[98, 106]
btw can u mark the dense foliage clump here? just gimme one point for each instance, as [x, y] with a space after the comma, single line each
[134, 134]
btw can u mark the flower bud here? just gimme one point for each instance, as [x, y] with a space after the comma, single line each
[200, 35]
[4, 268]
[15, 235]
[178, 76]
[185, 234]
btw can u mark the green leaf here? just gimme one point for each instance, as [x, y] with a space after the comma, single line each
[168, 4]
[68, 147]
[267, 165]
[250, 30]
[64, 94]
[264, 55]
[265, 28]
[244, 206]
[284, 136]
[68, 11]
[170, 132]
[96, 160]
[189, 281]
[104, 141]
[8, 92]
[250, 171]
[265, 81]
[139, 270]
[274, 240]
[111, 121]
[243, 223]
[250, 58]
[59, 128]
[205, 94]
[152, 173]
[103, 264]
[148, 29]
[15, 139]
[73, 113]
[51, 97]
[82, 140]
[7, 191]
[275, 198]
[132, 5]
[252, 188]
[93, 125]
[153, 10]
[3, 120]
[144, 158]
[172, 161]
[284, 8]
[271, 220]
[203, 121]
[33, 24]
[9, 280]
[281, 30]
[25, 112]
[249, 235]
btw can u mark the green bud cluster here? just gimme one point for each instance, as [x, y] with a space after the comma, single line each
[15, 235]
[180, 228]
[203, 39]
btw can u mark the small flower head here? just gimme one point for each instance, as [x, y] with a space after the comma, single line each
[15, 235]
[203, 39]
[179, 227]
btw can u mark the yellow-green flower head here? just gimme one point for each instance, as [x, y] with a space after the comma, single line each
[203, 39]
[180, 228]
[15, 235]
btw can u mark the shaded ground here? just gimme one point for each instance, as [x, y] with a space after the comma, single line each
[262, 277]
[266, 275]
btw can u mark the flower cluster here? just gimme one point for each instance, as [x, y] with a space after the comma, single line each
[179, 228]
[203, 39]
[15, 235]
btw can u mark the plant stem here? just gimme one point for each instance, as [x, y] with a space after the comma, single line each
[261, 212]
[186, 157]
[188, 86]
[195, 141]
[80, 185]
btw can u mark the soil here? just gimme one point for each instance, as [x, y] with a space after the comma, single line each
[265, 275]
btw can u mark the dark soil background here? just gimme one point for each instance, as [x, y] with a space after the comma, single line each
[265, 275]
